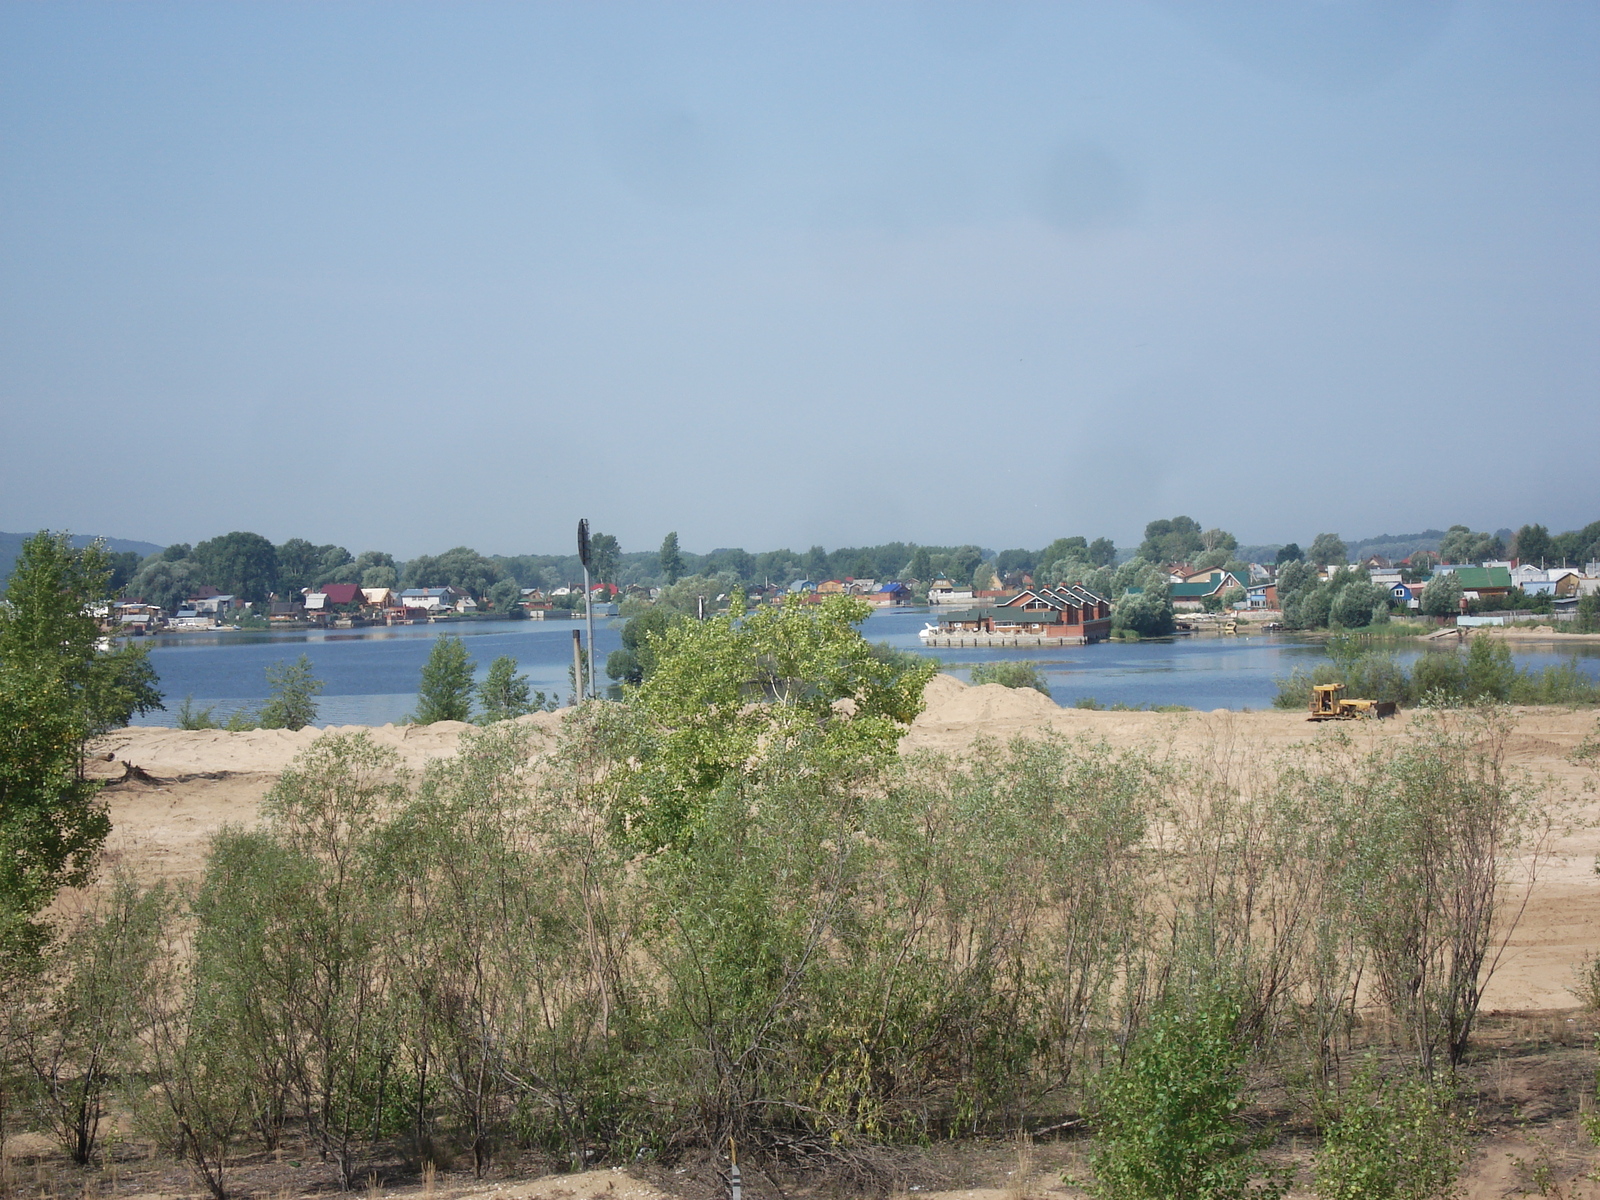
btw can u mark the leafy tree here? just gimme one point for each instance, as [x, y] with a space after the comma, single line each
[1442, 596]
[1356, 601]
[1074, 548]
[57, 690]
[1167, 1124]
[446, 691]
[1177, 540]
[165, 582]
[292, 703]
[637, 658]
[1327, 549]
[604, 555]
[816, 563]
[380, 577]
[1533, 544]
[177, 552]
[1577, 547]
[505, 694]
[1147, 612]
[297, 566]
[1020, 561]
[671, 558]
[983, 577]
[921, 565]
[726, 695]
[1288, 554]
[1219, 539]
[1461, 545]
[1102, 553]
[506, 596]
[461, 567]
[124, 566]
[240, 564]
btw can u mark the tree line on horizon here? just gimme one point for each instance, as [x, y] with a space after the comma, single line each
[250, 566]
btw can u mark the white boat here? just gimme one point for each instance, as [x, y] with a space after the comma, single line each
[927, 631]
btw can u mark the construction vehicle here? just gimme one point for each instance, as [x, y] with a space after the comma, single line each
[1328, 704]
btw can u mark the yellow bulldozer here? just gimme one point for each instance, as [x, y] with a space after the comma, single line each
[1328, 704]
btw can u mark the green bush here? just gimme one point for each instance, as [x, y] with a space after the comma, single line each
[1011, 675]
[1388, 1139]
[292, 704]
[1167, 1121]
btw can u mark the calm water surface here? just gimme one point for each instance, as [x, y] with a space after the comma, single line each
[371, 674]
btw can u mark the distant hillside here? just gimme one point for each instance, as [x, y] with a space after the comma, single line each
[11, 546]
[1390, 545]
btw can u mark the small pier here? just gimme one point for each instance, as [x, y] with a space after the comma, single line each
[994, 641]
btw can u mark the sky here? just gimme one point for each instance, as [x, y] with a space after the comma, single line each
[409, 276]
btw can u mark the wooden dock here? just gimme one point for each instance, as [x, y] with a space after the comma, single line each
[995, 641]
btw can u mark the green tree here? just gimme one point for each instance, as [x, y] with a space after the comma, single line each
[1533, 544]
[1328, 549]
[1102, 552]
[921, 565]
[1167, 1124]
[57, 690]
[1147, 612]
[726, 695]
[165, 582]
[240, 564]
[1075, 548]
[1289, 553]
[504, 694]
[671, 558]
[1461, 545]
[604, 556]
[446, 691]
[460, 567]
[1442, 596]
[1177, 540]
[637, 658]
[292, 703]
[506, 596]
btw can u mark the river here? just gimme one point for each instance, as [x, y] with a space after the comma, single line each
[370, 675]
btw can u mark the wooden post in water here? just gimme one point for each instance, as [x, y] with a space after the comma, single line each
[577, 666]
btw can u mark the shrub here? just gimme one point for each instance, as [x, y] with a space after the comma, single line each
[1167, 1120]
[1389, 1140]
[190, 717]
[1011, 675]
[292, 704]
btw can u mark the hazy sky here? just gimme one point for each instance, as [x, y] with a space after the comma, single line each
[409, 276]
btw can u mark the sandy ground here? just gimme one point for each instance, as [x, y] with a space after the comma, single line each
[210, 778]
[203, 780]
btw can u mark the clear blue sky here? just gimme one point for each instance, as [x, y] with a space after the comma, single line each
[409, 276]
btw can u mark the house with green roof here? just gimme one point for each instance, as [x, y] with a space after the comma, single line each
[1483, 581]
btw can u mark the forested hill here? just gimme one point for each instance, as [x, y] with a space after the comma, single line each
[11, 546]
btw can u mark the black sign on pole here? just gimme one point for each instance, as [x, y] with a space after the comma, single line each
[583, 542]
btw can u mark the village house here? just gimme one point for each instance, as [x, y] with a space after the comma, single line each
[1478, 582]
[1193, 591]
[208, 602]
[1261, 596]
[432, 601]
